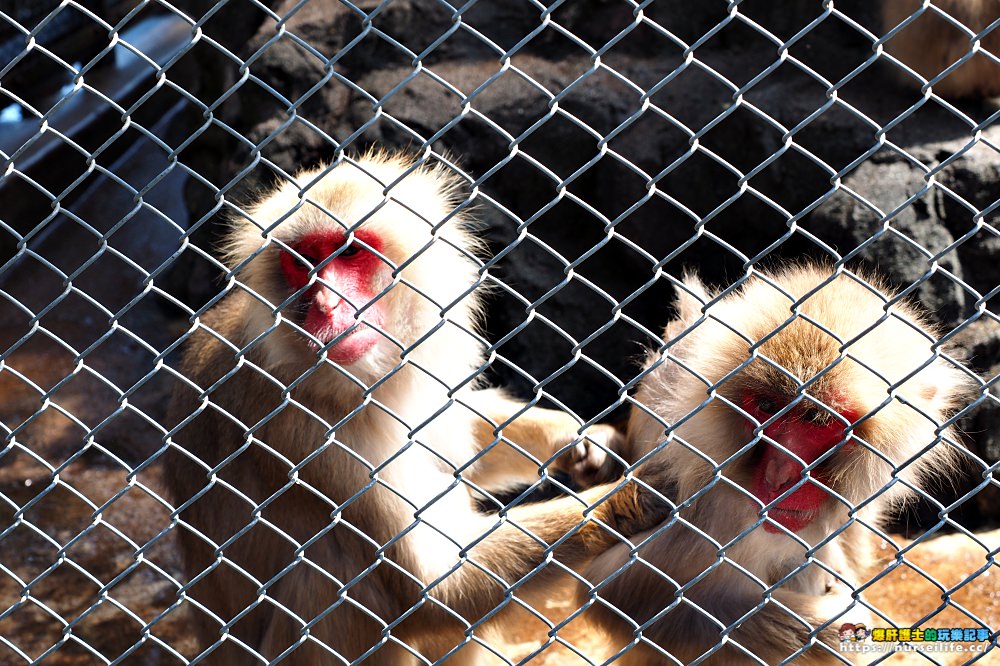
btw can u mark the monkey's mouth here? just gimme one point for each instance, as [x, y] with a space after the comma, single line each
[796, 511]
[775, 474]
[791, 519]
[349, 345]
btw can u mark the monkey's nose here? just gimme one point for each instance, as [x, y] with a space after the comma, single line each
[326, 300]
[780, 474]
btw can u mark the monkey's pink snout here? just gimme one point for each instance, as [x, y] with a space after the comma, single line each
[779, 475]
[327, 300]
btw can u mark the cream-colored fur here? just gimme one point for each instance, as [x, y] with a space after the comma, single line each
[839, 343]
[328, 512]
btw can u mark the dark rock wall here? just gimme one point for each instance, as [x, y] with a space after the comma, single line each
[607, 152]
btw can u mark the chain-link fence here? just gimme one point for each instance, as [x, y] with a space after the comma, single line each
[574, 332]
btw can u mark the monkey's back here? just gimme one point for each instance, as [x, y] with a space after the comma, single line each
[931, 43]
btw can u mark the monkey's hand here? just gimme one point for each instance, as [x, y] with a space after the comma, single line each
[530, 436]
[590, 462]
[839, 602]
[644, 501]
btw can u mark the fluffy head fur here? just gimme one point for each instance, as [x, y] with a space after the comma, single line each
[843, 350]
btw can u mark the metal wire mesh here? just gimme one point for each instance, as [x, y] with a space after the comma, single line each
[604, 151]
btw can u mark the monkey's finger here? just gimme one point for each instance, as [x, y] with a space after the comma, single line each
[639, 507]
[659, 476]
[591, 461]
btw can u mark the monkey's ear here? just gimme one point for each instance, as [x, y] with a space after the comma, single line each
[691, 299]
[946, 388]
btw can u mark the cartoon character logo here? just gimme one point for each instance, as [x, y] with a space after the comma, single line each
[860, 632]
[847, 632]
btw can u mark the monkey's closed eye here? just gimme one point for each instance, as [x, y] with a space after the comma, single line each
[350, 250]
[767, 405]
[308, 258]
[819, 417]
[301, 257]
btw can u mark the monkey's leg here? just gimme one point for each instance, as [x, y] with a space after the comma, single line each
[774, 633]
[541, 434]
[347, 633]
[452, 596]
[720, 615]
[512, 551]
[223, 592]
[472, 653]
[771, 635]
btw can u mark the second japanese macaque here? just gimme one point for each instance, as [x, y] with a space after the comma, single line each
[792, 412]
[931, 43]
[330, 447]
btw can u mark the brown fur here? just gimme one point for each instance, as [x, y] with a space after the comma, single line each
[931, 44]
[329, 511]
[712, 549]
[513, 437]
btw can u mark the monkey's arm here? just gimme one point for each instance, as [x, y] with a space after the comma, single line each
[517, 544]
[517, 441]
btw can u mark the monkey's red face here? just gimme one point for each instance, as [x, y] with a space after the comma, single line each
[808, 431]
[329, 312]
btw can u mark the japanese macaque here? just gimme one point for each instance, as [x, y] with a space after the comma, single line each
[324, 462]
[793, 413]
[931, 43]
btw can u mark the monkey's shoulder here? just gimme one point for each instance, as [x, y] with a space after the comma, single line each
[218, 363]
[215, 344]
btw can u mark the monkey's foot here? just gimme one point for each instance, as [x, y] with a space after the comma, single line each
[589, 462]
